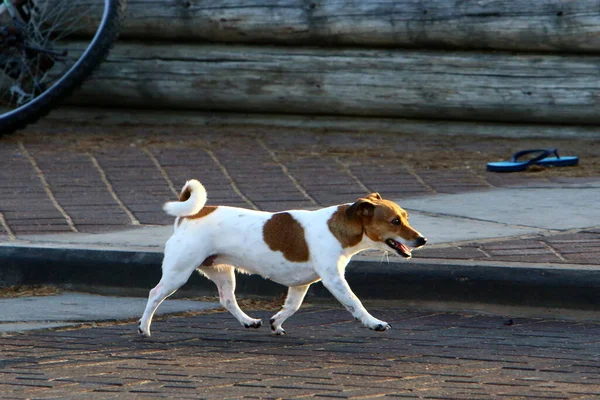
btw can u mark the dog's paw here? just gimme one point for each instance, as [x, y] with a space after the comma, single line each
[141, 332]
[381, 327]
[276, 330]
[254, 324]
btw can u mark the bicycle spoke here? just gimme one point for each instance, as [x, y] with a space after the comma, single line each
[51, 27]
[47, 49]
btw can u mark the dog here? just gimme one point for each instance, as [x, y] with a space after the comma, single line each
[294, 248]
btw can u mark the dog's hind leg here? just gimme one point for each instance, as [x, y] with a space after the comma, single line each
[224, 277]
[175, 272]
[292, 304]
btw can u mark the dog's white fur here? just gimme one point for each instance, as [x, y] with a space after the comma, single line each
[228, 238]
[193, 205]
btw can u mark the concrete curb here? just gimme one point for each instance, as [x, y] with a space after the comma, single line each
[540, 285]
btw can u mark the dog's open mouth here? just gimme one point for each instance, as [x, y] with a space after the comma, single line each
[399, 247]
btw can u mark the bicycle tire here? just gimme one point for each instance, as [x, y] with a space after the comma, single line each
[96, 52]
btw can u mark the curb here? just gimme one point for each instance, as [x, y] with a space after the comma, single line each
[538, 285]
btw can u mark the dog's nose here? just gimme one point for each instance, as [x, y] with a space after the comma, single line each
[420, 241]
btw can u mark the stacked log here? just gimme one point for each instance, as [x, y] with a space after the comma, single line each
[523, 25]
[485, 60]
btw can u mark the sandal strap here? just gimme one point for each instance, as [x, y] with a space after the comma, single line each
[543, 154]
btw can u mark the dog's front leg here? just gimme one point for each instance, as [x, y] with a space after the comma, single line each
[335, 282]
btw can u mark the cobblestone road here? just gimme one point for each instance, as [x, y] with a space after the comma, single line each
[325, 355]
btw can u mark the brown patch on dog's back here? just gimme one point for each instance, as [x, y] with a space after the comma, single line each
[348, 232]
[200, 214]
[203, 212]
[283, 233]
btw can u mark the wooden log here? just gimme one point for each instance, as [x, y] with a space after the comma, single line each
[526, 25]
[245, 121]
[373, 83]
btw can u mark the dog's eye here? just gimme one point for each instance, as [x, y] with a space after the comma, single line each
[396, 221]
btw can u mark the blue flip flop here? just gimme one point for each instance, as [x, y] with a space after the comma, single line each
[558, 161]
[545, 158]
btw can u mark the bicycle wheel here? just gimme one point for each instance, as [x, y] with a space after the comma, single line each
[47, 49]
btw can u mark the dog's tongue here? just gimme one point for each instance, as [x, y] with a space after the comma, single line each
[403, 248]
[400, 247]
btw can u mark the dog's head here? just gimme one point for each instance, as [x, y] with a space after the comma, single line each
[386, 223]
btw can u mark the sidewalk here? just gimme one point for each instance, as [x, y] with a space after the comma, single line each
[533, 245]
[80, 206]
[81, 203]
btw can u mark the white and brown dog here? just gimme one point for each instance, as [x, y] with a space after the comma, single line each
[294, 248]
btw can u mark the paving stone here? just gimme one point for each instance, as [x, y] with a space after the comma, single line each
[578, 258]
[59, 227]
[528, 258]
[468, 253]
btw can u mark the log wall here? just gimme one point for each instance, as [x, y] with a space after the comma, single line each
[524, 25]
[487, 60]
[375, 83]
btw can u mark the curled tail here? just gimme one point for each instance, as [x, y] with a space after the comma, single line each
[191, 200]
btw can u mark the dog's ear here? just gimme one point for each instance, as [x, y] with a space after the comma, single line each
[361, 208]
[375, 196]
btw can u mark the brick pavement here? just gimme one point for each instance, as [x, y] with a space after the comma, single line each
[93, 178]
[325, 355]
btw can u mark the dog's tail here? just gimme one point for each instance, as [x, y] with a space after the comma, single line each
[191, 200]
